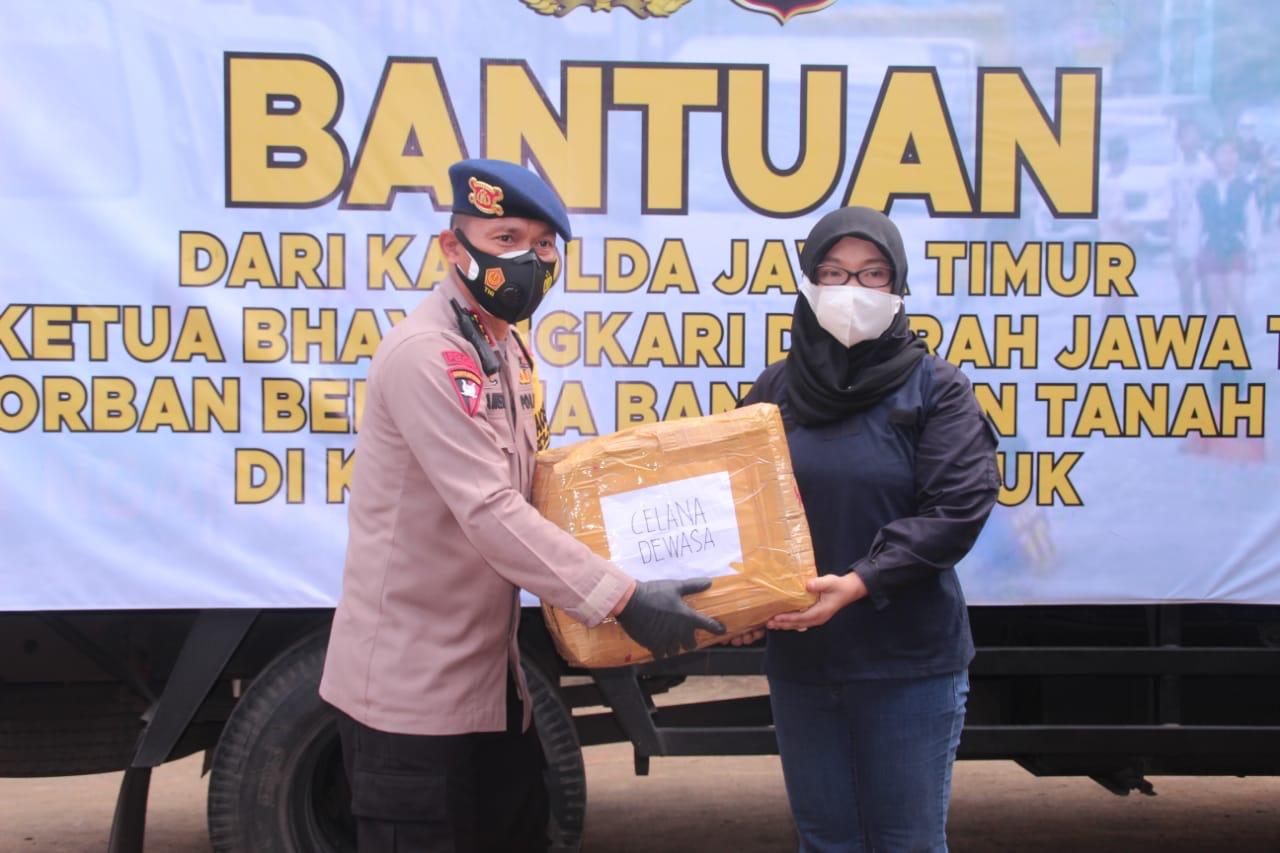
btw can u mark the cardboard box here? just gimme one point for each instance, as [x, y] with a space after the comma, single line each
[712, 496]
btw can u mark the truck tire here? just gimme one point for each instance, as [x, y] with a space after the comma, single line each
[565, 774]
[277, 785]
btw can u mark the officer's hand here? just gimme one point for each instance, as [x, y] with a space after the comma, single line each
[657, 618]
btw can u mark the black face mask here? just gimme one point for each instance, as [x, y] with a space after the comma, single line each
[508, 287]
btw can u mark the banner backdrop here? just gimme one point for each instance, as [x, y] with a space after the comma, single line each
[210, 214]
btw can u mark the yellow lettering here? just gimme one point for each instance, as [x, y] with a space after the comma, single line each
[259, 475]
[300, 259]
[520, 123]
[252, 263]
[735, 278]
[777, 337]
[636, 403]
[672, 270]
[1226, 346]
[1001, 407]
[555, 339]
[1055, 396]
[384, 262]
[1011, 273]
[655, 343]
[946, 254]
[28, 404]
[202, 259]
[410, 140]
[572, 411]
[163, 408]
[197, 337]
[339, 465]
[665, 94]
[134, 345]
[683, 403]
[210, 404]
[64, 401]
[1061, 153]
[263, 331]
[282, 405]
[620, 252]
[773, 271]
[747, 163]
[1115, 346]
[113, 409]
[281, 146]
[911, 149]
[328, 398]
[51, 333]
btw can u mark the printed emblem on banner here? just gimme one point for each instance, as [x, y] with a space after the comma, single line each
[493, 279]
[466, 380]
[784, 10]
[485, 197]
[640, 8]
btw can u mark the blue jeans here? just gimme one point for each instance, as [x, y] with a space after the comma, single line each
[868, 763]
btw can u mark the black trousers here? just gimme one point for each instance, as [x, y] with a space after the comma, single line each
[471, 793]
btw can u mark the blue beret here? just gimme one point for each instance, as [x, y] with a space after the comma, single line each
[492, 188]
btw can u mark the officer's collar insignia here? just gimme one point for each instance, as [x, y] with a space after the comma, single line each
[485, 197]
[481, 326]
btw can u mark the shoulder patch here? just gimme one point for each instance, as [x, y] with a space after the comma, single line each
[454, 358]
[466, 380]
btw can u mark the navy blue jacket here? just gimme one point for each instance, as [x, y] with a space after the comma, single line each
[897, 493]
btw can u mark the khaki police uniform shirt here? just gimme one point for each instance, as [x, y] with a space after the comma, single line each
[442, 536]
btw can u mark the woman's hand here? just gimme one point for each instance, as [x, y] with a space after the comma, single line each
[834, 593]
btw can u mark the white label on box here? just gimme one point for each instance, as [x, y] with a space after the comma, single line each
[682, 529]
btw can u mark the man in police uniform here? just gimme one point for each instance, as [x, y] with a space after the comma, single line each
[423, 664]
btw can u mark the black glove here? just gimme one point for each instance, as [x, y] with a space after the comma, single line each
[657, 618]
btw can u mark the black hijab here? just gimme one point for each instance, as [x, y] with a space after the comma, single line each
[827, 381]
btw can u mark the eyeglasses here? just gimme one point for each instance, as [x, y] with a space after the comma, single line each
[873, 277]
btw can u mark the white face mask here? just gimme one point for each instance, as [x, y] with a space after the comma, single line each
[851, 314]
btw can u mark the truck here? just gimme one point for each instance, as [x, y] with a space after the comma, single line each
[211, 212]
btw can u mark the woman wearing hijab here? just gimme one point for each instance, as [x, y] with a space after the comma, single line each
[896, 466]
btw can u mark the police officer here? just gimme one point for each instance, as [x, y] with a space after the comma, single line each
[423, 664]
